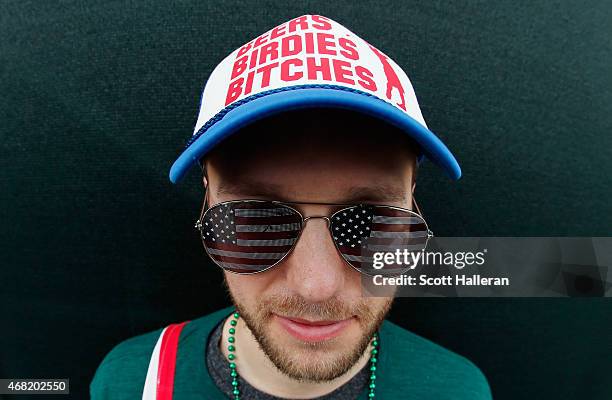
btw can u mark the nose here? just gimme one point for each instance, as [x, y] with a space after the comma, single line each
[314, 269]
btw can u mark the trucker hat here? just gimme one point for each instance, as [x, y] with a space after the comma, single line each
[307, 62]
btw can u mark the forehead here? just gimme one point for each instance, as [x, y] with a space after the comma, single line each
[314, 153]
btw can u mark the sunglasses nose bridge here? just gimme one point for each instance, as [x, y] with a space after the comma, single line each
[326, 218]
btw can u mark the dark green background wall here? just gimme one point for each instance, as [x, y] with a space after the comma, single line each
[98, 98]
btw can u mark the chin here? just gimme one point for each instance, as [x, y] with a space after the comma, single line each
[313, 360]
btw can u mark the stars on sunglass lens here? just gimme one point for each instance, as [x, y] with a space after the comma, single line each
[218, 225]
[351, 226]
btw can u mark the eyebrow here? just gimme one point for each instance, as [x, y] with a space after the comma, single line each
[377, 192]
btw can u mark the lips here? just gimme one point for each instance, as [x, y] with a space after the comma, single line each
[312, 331]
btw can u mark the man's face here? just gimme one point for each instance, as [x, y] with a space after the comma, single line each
[307, 312]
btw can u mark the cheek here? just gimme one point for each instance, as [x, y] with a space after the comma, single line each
[354, 284]
[248, 288]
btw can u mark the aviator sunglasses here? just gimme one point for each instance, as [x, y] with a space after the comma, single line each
[252, 236]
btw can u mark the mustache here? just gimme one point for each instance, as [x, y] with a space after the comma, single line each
[298, 307]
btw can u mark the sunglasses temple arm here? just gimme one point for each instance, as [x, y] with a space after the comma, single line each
[417, 206]
[429, 232]
[415, 202]
[198, 224]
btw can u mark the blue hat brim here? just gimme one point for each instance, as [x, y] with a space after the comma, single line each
[265, 104]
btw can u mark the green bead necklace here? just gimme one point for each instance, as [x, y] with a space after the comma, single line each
[234, 374]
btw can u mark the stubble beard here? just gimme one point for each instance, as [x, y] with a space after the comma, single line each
[295, 364]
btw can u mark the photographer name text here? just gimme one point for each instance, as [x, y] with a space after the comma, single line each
[446, 280]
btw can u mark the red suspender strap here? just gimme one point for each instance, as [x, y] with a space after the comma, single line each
[167, 361]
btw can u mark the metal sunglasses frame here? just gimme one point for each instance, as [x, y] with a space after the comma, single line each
[288, 204]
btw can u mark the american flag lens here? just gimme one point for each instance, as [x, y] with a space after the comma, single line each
[249, 236]
[363, 233]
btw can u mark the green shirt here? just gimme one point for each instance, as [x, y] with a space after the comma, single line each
[409, 367]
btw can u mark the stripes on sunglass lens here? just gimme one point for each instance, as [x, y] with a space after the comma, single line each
[361, 231]
[249, 236]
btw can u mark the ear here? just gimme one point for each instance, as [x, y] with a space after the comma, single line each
[202, 165]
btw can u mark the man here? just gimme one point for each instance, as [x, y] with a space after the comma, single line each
[299, 179]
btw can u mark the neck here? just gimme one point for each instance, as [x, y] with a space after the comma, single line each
[254, 366]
